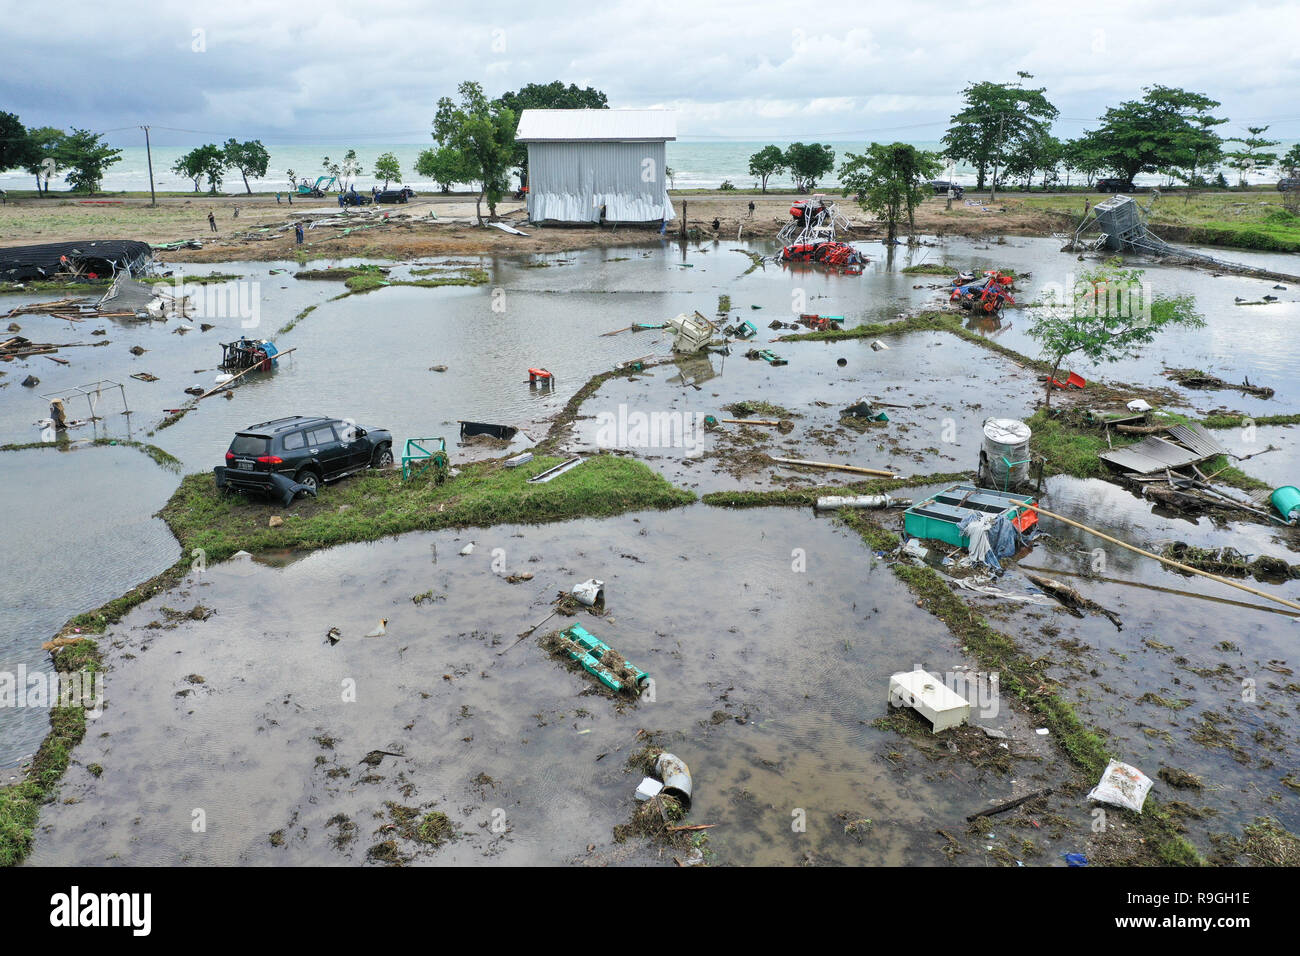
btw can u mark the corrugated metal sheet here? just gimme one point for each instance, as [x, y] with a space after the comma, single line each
[616, 126]
[1197, 439]
[574, 181]
[1156, 454]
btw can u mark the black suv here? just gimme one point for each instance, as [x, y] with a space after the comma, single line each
[941, 187]
[394, 195]
[304, 450]
[1288, 183]
[1115, 185]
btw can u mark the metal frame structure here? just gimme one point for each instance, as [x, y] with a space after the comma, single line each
[94, 388]
[821, 223]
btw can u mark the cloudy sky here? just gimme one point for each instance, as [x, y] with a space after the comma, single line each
[371, 72]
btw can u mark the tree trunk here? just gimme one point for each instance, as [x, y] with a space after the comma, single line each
[247, 188]
[892, 227]
[478, 207]
[1055, 368]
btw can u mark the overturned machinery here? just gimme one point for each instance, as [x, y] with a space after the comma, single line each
[1120, 224]
[813, 235]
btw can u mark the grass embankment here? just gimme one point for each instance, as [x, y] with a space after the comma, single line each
[939, 269]
[377, 504]
[185, 279]
[807, 497]
[367, 278]
[94, 286]
[950, 322]
[20, 803]
[1244, 219]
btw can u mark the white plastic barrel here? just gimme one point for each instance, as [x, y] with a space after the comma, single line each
[1007, 440]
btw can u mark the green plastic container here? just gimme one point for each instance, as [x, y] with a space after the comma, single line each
[593, 651]
[1286, 500]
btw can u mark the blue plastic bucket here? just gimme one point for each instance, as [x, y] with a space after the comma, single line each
[1286, 500]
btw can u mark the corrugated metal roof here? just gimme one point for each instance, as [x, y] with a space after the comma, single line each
[1197, 439]
[1156, 454]
[557, 126]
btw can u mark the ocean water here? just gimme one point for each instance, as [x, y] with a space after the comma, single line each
[694, 165]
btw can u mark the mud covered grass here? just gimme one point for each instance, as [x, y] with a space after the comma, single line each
[376, 504]
[369, 281]
[807, 497]
[20, 803]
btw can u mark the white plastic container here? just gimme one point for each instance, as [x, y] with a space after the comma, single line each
[927, 695]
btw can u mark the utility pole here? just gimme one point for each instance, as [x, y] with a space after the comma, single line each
[153, 199]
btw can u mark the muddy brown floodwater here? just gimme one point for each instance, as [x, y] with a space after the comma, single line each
[767, 680]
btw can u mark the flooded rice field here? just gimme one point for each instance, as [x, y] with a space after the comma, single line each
[769, 680]
[766, 682]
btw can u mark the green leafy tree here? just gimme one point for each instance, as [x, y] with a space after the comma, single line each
[445, 166]
[995, 123]
[1168, 128]
[546, 96]
[15, 146]
[889, 181]
[42, 154]
[208, 160]
[250, 158]
[85, 157]
[388, 168]
[1253, 154]
[350, 169]
[1038, 151]
[333, 169]
[767, 162]
[808, 163]
[1084, 156]
[484, 132]
[1109, 315]
[1291, 161]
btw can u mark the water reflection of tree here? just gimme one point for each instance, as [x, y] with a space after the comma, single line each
[986, 324]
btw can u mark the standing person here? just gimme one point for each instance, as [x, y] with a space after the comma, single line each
[277, 199]
[297, 232]
[212, 221]
[751, 207]
[236, 212]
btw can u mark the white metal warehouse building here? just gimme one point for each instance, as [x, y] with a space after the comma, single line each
[585, 162]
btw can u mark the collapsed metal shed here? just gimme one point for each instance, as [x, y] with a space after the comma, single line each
[594, 165]
[1191, 444]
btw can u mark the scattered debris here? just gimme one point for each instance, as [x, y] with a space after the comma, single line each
[1195, 378]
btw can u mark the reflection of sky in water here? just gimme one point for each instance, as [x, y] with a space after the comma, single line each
[77, 533]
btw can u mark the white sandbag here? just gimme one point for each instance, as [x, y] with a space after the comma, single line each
[1123, 786]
